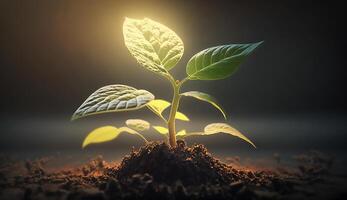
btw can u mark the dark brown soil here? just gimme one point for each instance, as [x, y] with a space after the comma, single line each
[157, 171]
[191, 166]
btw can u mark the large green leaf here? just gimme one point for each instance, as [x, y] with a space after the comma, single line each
[218, 62]
[107, 133]
[225, 128]
[113, 98]
[155, 46]
[159, 105]
[205, 97]
[138, 124]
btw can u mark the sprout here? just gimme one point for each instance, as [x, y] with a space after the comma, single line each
[158, 49]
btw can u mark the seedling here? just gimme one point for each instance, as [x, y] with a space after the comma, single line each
[158, 49]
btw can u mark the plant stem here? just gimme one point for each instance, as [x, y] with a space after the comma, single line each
[174, 106]
[142, 137]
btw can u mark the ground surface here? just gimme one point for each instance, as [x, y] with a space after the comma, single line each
[157, 171]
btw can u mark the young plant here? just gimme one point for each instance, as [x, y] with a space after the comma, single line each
[158, 49]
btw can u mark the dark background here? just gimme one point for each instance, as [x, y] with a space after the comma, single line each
[289, 94]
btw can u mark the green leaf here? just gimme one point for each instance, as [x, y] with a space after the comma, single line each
[113, 98]
[138, 124]
[159, 105]
[102, 134]
[155, 46]
[181, 133]
[218, 62]
[225, 128]
[205, 97]
[161, 130]
[105, 134]
[181, 116]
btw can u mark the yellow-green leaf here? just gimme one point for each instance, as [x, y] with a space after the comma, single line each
[102, 134]
[128, 130]
[159, 105]
[205, 97]
[154, 46]
[138, 124]
[225, 128]
[113, 98]
[161, 130]
[181, 116]
[107, 133]
[181, 133]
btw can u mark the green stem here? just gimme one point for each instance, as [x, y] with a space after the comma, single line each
[141, 136]
[176, 85]
[174, 106]
[193, 134]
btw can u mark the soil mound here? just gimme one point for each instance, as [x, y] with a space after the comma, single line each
[191, 166]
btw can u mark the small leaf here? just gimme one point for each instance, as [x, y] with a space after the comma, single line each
[181, 133]
[102, 134]
[128, 130]
[205, 97]
[138, 124]
[107, 133]
[181, 116]
[159, 105]
[155, 46]
[225, 128]
[113, 98]
[161, 130]
[218, 62]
